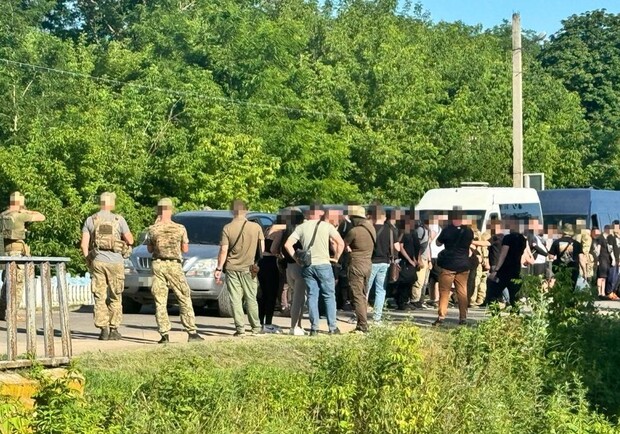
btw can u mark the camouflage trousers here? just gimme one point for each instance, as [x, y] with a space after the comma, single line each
[480, 286]
[107, 283]
[20, 275]
[169, 274]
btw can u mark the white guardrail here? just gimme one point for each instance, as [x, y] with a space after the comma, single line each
[78, 292]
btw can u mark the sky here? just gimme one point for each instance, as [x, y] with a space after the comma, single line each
[543, 16]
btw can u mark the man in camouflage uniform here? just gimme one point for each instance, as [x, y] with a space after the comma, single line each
[13, 226]
[167, 241]
[106, 241]
[481, 245]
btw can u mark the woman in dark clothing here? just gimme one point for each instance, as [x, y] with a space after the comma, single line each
[454, 264]
[409, 253]
[269, 277]
[602, 260]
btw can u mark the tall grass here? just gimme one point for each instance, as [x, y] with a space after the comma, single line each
[540, 372]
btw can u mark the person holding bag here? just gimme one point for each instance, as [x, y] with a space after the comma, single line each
[315, 236]
[241, 240]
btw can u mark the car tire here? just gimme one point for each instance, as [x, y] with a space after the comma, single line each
[224, 305]
[131, 306]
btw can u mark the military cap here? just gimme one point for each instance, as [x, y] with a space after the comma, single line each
[17, 197]
[107, 197]
[165, 202]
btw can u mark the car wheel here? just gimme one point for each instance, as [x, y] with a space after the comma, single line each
[224, 304]
[131, 306]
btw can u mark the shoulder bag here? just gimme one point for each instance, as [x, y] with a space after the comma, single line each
[304, 256]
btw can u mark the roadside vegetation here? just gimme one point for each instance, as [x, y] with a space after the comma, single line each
[552, 370]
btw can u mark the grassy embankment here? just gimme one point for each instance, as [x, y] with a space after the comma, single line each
[552, 371]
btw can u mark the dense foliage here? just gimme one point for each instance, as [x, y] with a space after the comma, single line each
[284, 101]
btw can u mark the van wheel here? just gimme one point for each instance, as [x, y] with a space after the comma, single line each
[224, 305]
[131, 306]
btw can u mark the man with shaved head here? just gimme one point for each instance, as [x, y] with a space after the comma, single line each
[13, 226]
[106, 240]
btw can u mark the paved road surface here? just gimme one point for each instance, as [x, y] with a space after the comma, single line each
[140, 330]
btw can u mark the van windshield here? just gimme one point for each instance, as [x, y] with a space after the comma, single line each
[520, 211]
[203, 230]
[477, 216]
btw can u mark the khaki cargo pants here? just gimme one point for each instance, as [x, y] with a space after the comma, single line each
[107, 283]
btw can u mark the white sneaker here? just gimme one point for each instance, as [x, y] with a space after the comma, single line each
[297, 331]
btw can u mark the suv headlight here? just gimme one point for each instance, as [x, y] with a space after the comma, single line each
[129, 268]
[202, 268]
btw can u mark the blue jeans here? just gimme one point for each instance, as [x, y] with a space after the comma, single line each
[320, 281]
[377, 279]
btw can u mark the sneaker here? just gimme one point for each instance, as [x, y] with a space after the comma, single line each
[297, 331]
[314, 332]
[335, 331]
[462, 322]
[420, 305]
[438, 322]
[239, 334]
[114, 335]
[272, 329]
[105, 334]
[194, 337]
[164, 339]
[358, 331]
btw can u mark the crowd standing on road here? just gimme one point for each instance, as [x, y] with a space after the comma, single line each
[355, 259]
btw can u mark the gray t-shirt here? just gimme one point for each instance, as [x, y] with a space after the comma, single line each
[89, 227]
[320, 249]
[423, 234]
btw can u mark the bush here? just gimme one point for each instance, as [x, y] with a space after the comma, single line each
[537, 370]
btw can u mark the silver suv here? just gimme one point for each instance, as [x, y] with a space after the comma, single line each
[204, 229]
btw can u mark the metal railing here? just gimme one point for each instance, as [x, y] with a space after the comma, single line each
[45, 266]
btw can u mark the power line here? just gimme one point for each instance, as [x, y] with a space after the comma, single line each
[181, 93]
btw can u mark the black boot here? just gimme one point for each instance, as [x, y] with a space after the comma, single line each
[105, 334]
[194, 337]
[114, 335]
[164, 339]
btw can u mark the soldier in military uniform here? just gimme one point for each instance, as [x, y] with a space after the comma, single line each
[106, 241]
[167, 241]
[13, 226]
[481, 250]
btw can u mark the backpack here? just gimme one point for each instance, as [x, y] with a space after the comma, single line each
[424, 239]
[105, 234]
[10, 227]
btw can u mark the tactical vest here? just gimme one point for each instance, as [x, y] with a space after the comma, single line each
[106, 234]
[11, 227]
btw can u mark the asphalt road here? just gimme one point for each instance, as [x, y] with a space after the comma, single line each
[140, 330]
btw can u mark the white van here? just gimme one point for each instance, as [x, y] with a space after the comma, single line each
[483, 202]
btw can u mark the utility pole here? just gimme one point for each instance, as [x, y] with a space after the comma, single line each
[517, 104]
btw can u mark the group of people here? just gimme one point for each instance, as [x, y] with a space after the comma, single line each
[330, 259]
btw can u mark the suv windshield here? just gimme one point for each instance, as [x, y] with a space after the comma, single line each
[203, 230]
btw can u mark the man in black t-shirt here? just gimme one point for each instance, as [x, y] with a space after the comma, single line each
[507, 271]
[454, 264]
[568, 254]
[387, 235]
[410, 250]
